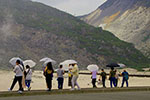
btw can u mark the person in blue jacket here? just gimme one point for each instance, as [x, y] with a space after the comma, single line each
[125, 78]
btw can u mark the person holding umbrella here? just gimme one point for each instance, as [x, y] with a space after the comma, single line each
[29, 64]
[18, 70]
[48, 73]
[75, 73]
[112, 77]
[93, 68]
[94, 74]
[28, 76]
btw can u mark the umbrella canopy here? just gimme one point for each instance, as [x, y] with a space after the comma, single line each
[68, 62]
[65, 66]
[122, 65]
[93, 67]
[14, 59]
[31, 63]
[50, 60]
[45, 59]
[112, 65]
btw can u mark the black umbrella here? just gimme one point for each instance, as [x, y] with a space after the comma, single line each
[112, 65]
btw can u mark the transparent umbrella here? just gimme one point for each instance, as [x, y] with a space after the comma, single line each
[14, 59]
[93, 67]
[50, 60]
[31, 63]
[67, 62]
[45, 59]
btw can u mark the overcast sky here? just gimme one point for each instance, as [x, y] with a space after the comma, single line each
[74, 7]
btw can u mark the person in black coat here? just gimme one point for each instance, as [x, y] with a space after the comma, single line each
[48, 73]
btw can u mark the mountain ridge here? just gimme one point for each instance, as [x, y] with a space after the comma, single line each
[33, 30]
[126, 19]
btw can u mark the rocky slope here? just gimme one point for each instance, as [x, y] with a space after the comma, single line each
[32, 30]
[127, 19]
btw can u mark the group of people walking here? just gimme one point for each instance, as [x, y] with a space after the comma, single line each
[23, 75]
[113, 77]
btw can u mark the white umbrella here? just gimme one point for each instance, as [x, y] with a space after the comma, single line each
[93, 67]
[122, 65]
[67, 62]
[65, 66]
[31, 63]
[13, 60]
[45, 59]
[50, 60]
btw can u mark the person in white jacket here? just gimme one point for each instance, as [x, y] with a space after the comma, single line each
[28, 77]
[18, 70]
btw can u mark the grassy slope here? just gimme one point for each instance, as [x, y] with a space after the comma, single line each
[94, 40]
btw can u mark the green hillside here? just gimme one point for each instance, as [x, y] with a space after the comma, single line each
[39, 30]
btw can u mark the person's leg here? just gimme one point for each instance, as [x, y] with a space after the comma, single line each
[76, 78]
[48, 83]
[93, 82]
[29, 82]
[122, 82]
[26, 82]
[127, 83]
[103, 81]
[111, 82]
[114, 81]
[58, 83]
[13, 84]
[73, 82]
[61, 83]
[20, 83]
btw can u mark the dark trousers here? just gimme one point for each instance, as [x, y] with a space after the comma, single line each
[19, 79]
[94, 82]
[116, 82]
[60, 82]
[112, 81]
[49, 83]
[124, 80]
[103, 82]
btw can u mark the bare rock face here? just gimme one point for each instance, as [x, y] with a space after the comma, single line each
[127, 19]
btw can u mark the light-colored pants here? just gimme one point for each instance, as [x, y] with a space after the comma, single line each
[74, 82]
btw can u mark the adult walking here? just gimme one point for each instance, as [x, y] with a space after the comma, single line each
[60, 79]
[18, 70]
[125, 75]
[94, 74]
[112, 77]
[103, 75]
[75, 73]
[48, 73]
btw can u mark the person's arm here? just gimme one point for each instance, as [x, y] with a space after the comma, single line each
[110, 74]
[15, 68]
